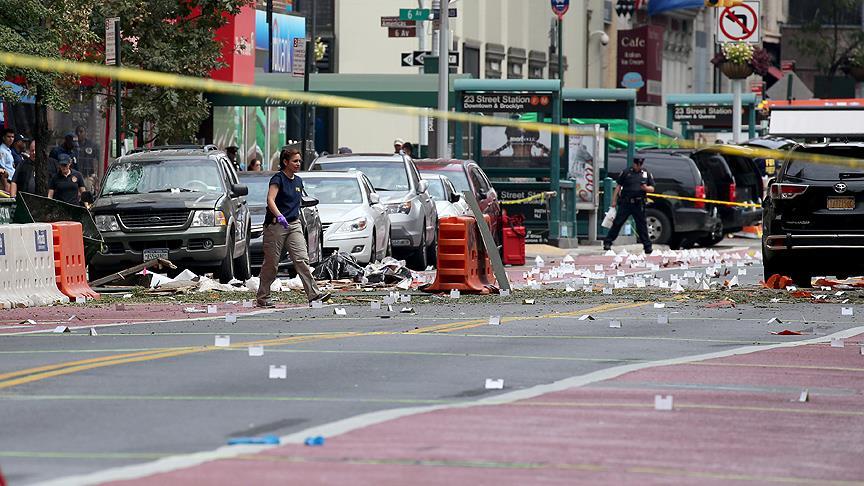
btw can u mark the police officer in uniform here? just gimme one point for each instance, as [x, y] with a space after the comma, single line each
[633, 186]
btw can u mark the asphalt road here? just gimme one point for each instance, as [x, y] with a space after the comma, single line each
[140, 392]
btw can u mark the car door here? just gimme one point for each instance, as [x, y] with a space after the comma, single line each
[429, 210]
[379, 215]
[237, 207]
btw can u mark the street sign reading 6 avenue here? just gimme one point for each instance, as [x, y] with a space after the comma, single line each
[560, 7]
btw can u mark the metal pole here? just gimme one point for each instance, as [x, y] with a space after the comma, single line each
[736, 110]
[443, 78]
[555, 223]
[423, 129]
[117, 97]
[560, 50]
[270, 36]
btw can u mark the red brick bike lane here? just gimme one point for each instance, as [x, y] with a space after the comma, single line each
[736, 419]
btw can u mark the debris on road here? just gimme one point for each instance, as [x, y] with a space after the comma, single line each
[264, 440]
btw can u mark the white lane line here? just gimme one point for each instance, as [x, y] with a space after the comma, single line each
[343, 426]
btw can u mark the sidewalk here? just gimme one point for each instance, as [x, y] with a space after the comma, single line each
[607, 433]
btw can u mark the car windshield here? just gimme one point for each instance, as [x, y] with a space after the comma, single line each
[258, 187]
[141, 177]
[385, 176]
[436, 189]
[334, 190]
[805, 170]
[457, 177]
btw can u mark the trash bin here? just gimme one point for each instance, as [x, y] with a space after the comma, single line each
[30, 208]
[514, 240]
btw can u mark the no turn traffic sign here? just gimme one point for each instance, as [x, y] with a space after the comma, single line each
[739, 23]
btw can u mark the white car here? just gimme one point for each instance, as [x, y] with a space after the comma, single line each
[352, 216]
[447, 200]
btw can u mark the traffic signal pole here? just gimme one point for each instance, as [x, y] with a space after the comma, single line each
[443, 77]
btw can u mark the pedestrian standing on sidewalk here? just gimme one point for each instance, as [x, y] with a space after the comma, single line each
[634, 184]
[282, 228]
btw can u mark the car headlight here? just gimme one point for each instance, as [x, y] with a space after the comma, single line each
[106, 222]
[404, 208]
[208, 217]
[358, 224]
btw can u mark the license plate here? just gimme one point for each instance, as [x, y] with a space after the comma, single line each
[154, 253]
[841, 203]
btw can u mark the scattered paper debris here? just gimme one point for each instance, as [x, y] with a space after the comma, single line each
[493, 384]
[278, 372]
[538, 262]
[339, 311]
[263, 440]
[193, 310]
[586, 317]
[663, 403]
[61, 329]
[528, 302]
[93, 331]
[774, 320]
[407, 310]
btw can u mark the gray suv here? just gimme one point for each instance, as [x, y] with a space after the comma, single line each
[183, 203]
[413, 217]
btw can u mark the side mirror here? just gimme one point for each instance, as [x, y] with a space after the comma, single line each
[239, 190]
[423, 187]
[374, 198]
[454, 198]
[308, 202]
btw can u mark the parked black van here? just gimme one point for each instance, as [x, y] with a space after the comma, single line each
[670, 221]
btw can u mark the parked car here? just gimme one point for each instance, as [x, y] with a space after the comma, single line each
[183, 203]
[733, 178]
[768, 167]
[447, 200]
[258, 184]
[466, 175]
[814, 216]
[405, 196]
[353, 218]
[671, 221]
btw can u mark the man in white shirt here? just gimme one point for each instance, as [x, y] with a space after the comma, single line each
[7, 162]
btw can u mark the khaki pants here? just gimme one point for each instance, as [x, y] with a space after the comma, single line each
[275, 239]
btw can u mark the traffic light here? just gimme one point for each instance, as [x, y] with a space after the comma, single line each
[723, 3]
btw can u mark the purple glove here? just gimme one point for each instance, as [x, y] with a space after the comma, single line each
[281, 220]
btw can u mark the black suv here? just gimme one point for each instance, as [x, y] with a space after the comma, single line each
[183, 203]
[814, 215]
[732, 178]
[671, 221]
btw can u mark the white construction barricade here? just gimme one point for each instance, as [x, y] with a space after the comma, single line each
[29, 257]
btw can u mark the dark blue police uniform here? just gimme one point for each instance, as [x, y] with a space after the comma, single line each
[631, 202]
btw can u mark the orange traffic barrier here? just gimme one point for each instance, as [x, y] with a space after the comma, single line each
[69, 266]
[458, 257]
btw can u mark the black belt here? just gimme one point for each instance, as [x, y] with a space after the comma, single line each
[633, 200]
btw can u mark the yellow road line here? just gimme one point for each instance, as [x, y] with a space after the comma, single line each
[39, 369]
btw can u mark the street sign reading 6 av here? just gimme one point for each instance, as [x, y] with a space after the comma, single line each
[560, 7]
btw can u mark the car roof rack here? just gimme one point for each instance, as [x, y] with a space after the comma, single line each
[205, 148]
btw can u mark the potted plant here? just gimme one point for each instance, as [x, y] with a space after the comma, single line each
[856, 63]
[738, 60]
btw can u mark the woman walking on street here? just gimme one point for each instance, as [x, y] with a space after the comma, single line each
[282, 228]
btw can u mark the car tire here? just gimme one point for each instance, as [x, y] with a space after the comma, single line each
[717, 235]
[242, 266]
[659, 226]
[373, 257]
[389, 251]
[226, 270]
[432, 254]
[419, 259]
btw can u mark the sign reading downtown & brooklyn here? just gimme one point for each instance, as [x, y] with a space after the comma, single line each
[506, 103]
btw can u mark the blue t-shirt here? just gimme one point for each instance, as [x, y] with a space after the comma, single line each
[288, 198]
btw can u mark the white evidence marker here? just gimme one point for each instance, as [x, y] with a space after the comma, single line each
[375, 305]
[495, 320]
[340, 311]
[569, 289]
[805, 396]
[222, 341]
[61, 329]
[742, 271]
[847, 311]
[454, 293]
[389, 300]
[504, 293]
[774, 320]
[405, 298]
[598, 268]
[659, 305]
[528, 302]
[607, 290]
[212, 309]
[80, 299]
[256, 350]
[615, 324]
[278, 372]
[407, 310]
[493, 384]
[837, 343]
[586, 317]
[93, 331]
[663, 403]
[231, 318]
[248, 304]
[317, 304]
[663, 319]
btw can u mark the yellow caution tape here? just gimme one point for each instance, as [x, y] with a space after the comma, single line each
[176, 81]
[541, 196]
[706, 201]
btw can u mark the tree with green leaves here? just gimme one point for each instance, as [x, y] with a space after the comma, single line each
[45, 28]
[831, 32]
[168, 36]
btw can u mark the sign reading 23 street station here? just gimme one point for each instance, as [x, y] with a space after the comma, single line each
[506, 103]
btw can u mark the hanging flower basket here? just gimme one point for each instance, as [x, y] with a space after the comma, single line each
[735, 70]
[857, 72]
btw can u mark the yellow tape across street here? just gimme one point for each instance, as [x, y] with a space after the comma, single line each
[706, 201]
[176, 81]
